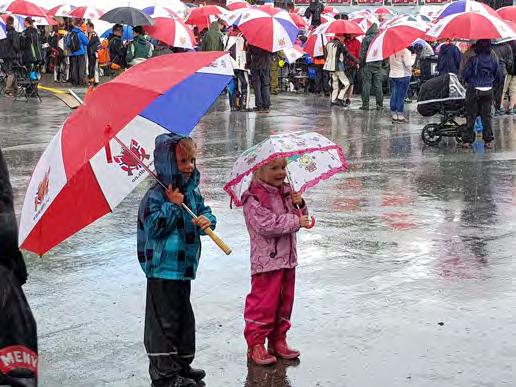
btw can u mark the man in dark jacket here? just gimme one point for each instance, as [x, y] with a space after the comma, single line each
[18, 336]
[313, 12]
[371, 72]
[117, 50]
[11, 55]
[92, 49]
[505, 60]
[31, 44]
[481, 73]
[448, 59]
[260, 62]
[77, 41]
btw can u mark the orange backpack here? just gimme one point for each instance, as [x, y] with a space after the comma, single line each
[103, 53]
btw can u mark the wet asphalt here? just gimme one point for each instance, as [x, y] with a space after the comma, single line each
[407, 279]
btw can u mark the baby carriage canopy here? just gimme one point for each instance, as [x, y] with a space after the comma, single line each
[440, 93]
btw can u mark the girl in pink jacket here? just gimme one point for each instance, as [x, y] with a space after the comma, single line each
[272, 221]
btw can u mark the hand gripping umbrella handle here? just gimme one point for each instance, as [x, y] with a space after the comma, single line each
[312, 223]
[208, 231]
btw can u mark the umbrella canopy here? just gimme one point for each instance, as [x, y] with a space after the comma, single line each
[326, 18]
[299, 20]
[155, 12]
[22, 7]
[470, 26]
[126, 35]
[311, 158]
[234, 5]
[269, 28]
[60, 10]
[383, 11]
[294, 53]
[86, 13]
[315, 43]
[421, 20]
[85, 159]
[462, 6]
[202, 17]
[2, 30]
[172, 31]
[394, 39]
[127, 15]
[339, 27]
[330, 10]
[508, 13]
[18, 22]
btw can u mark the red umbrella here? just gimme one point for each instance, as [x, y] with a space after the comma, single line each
[202, 17]
[331, 10]
[86, 13]
[237, 5]
[508, 13]
[299, 20]
[172, 31]
[22, 7]
[383, 11]
[60, 10]
[339, 27]
[394, 39]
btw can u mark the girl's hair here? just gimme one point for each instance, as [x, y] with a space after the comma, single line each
[187, 146]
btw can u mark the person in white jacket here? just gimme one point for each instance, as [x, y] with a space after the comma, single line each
[399, 79]
[236, 44]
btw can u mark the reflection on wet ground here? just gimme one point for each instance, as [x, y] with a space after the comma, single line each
[406, 280]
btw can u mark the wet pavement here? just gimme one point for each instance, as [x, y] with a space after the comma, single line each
[407, 280]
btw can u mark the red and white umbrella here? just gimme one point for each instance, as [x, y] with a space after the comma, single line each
[202, 17]
[60, 10]
[22, 7]
[239, 4]
[461, 6]
[269, 28]
[383, 11]
[293, 53]
[330, 10]
[405, 19]
[299, 20]
[508, 13]
[339, 27]
[393, 39]
[86, 13]
[326, 18]
[470, 26]
[315, 43]
[172, 31]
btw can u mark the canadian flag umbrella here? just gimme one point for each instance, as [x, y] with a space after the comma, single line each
[22, 7]
[269, 28]
[470, 26]
[102, 153]
[394, 39]
[172, 31]
[202, 17]
[507, 13]
[86, 13]
[60, 10]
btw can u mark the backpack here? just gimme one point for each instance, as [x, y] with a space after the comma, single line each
[74, 42]
[103, 53]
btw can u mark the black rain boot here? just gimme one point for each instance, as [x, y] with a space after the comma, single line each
[193, 373]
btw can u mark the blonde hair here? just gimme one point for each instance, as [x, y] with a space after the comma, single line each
[187, 146]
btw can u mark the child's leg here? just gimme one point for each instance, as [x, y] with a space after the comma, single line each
[163, 316]
[261, 305]
[286, 302]
[186, 338]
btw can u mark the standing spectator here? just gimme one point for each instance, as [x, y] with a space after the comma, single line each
[350, 67]
[93, 47]
[336, 55]
[448, 58]
[505, 57]
[116, 48]
[371, 72]
[322, 77]
[260, 62]
[313, 13]
[56, 54]
[77, 41]
[512, 81]
[237, 47]
[481, 73]
[400, 65]
[11, 55]
[140, 49]
[212, 41]
[31, 44]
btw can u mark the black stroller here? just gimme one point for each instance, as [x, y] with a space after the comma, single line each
[442, 95]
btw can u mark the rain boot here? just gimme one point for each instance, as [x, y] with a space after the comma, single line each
[193, 373]
[260, 356]
[280, 349]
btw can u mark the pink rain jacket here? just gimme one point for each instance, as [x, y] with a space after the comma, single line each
[272, 222]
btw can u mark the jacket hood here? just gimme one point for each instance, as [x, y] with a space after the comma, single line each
[166, 164]
[483, 46]
[373, 30]
[263, 191]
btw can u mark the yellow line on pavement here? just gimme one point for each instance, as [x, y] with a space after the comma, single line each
[52, 90]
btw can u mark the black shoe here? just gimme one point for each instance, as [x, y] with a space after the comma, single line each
[378, 107]
[194, 373]
[337, 103]
[327, 94]
[348, 102]
[364, 107]
[181, 381]
[257, 108]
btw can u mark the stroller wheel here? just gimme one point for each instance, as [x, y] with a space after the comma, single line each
[429, 135]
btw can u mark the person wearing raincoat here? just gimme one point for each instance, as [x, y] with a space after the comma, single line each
[371, 72]
[212, 41]
[169, 248]
[18, 336]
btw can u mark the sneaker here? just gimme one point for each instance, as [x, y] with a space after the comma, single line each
[402, 119]
[280, 349]
[488, 144]
[394, 117]
[260, 356]
[347, 102]
[193, 373]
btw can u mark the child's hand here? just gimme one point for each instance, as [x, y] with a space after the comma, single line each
[174, 196]
[202, 222]
[297, 199]
[304, 221]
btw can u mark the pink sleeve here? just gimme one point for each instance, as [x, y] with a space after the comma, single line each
[268, 224]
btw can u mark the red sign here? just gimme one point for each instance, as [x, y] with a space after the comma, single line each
[302, 2]
[339, 2]
[404, 2]
[437, 1]
[17, 357]
[369, 2]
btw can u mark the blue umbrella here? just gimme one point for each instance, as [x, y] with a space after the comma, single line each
[127, 35]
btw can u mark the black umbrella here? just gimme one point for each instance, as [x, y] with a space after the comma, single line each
[127, 15]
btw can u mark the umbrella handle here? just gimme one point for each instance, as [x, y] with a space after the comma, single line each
[312, 223]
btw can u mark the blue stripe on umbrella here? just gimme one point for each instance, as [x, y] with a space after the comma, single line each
[289, 27]
[453, 8]
[180, 109]
[149, 10]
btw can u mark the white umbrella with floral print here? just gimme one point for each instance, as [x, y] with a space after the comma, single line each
[311, 158]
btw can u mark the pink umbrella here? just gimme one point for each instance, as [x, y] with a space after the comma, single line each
[60, 10]
[470, 26]
[393, 40]
[233, 6]
[86, 13]
[508, 13]
[299, 20]
[22, 7]
[172, 31]
[202, 17]
[339, 27]
[383, 11]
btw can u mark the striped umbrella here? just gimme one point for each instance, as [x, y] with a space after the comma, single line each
[299, 20]
[470, 26]
[239, 4]
[155, 12]
[202, 17]
[508, 13]
[172, 31]
[462, 6]
[22, 7]
[60, 10]
[86, 13]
